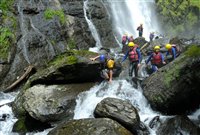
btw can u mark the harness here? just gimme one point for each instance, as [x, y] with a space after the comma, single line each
[133, 55]
[156, 58]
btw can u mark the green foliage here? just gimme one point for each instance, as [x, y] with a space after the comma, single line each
[71, 44]
[66, 58]
[193, 51]
[50, 13]
[20, 126]
[6, 38]
[177, 16]
[171, 75]
[5, 5]
[195, 3]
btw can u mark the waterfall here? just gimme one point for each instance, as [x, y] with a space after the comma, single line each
[129, 14]
[92, 28]
[24, 31]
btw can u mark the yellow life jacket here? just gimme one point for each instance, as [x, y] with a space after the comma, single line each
[110, 63]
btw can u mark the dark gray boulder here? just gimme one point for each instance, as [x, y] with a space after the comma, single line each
[101, 126]
[179, 125]
[119, 110]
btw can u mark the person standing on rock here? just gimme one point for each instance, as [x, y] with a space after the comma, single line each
[140, 30]
[156, 58]
[135, 57]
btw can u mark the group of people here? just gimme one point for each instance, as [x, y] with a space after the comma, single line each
[133, 53]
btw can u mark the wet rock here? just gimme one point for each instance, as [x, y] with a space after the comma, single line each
[101, 126]
[4, 117]
[179, 125]
[49, 103]
[166, 89]
[97, 12]
[120, 110]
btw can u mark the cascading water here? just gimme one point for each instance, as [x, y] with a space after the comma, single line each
[92, 28]
[24, 31]
[129, 14]
[7, 118]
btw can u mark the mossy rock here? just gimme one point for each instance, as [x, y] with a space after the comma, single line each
[67, 68]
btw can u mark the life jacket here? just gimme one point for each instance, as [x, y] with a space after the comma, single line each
[133, 55]
[156, 59]
[124, 39]
[110, 63]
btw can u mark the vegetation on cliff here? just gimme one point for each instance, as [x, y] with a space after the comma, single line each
[7, 28]
[179, 16]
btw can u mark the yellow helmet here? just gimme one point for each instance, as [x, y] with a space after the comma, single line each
[168, 46]
[131, 44]
[157, 47]
[110, 63]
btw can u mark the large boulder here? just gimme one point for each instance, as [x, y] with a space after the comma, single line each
[120, 110]
[178, 125]
[174, 88]
[51, 103]
[43, 105]
[101, 126]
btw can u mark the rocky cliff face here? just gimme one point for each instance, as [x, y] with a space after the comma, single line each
[45, 29]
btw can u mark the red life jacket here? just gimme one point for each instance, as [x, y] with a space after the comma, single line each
[133, 55]
[157, 59]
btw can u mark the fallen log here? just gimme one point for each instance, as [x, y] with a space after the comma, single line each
[28, 71]
[9, 104]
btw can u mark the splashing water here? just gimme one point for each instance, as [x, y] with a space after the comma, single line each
[87, 101]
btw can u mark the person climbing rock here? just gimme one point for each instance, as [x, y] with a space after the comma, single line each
[106, 66]
[130, 39]
[125, 39]
[151, 36]
[156, 58]
[124, 43]
[135, 57]
[140, 30]
[172, 50]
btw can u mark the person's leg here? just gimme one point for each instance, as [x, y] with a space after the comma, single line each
[154, 68]
[131, 69]
[135, 68]
[104, 74]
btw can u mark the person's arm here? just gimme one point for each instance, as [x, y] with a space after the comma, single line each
[149, 58]
[174, 53]
[162, 59]
[167, 53]
[93, 59]
[124, 58]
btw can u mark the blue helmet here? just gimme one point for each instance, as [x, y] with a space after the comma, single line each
[102, 58]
